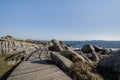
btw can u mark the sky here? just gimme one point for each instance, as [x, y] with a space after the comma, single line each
[61, 19]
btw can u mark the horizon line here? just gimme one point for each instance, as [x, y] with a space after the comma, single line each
[63, 39]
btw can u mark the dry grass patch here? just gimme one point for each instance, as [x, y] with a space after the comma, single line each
[4, 58]
[85, 71]
[73, 57]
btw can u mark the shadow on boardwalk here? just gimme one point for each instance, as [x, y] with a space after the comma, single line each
[42, 62]
[35, 69]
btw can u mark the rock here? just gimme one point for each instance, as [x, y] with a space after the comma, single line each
[112, 62]
[69, 48]
[77, 49]
[58, 45]
[64, 63]
[97, 48]
[12, 47]
[49, 44]
[87, 49]
[92, 50]
[65, 53]
[86, 58]
[106, 51]
[8, 37]
[92, 56]
[95, 56]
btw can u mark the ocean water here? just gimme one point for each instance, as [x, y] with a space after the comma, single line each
[104, 44]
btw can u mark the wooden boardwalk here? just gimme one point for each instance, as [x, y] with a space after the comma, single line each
[35, 69]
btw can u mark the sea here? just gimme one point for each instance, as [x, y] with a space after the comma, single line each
[114, 45]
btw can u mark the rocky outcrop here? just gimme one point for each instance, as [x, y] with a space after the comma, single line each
[59, 46]
[95, 52]
[87, 53]
[112, 62]
[93, 48]
[8, 37]
[10, 45]
[64, 49]
[91, 52]
[93, 55]
[64, 56]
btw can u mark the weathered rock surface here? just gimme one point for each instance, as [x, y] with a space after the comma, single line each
[8, 37]
[61, 61]
[66, 50]
[59, 46]
[93, 48]
[97, 48]
[112, 62]
[106, 51]
[65, 53]
[87, 49]
[9, 45]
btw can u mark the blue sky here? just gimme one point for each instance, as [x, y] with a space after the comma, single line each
[61, 19]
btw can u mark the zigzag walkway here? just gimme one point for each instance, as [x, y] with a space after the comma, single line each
[35, 69]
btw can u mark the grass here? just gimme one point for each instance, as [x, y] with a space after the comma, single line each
[73, 57]
[4, 67]
[83, 70]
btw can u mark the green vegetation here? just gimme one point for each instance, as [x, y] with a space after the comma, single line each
[4, 58]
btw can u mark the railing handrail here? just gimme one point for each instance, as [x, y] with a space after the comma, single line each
[42, 49]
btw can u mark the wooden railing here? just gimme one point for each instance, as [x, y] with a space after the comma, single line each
[41, 50]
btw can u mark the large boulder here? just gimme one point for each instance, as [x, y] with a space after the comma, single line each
[87, 49]
[58, 45]
[64, 63]
[112, 62]
[68, 52]
[91, 49]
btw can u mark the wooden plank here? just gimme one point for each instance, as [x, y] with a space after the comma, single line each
[31, 65]
[34, 69]
[29, 70]
[55, 76]
[35, 74]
